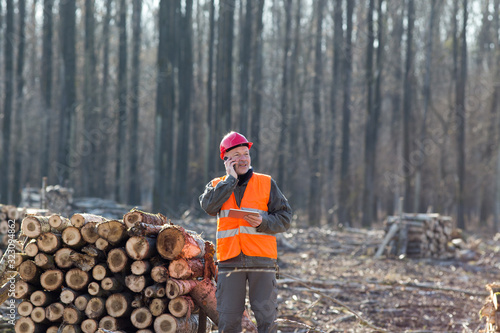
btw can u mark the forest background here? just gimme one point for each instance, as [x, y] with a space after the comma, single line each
[350, 104]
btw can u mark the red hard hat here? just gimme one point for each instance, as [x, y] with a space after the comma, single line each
[232, 140]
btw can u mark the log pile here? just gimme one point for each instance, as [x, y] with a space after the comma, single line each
[491, 309]
[139, 274]
[419, 236]
[10, 222]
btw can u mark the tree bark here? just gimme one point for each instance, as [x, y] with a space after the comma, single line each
[134, 196]
[121, 152]
[136, 215]
[186, 269]
[7, 101]
[58, 222]
[345, 181]
[82, 261]
[224, 71]
[79, 220]
[176, 288]
[46, 85]
[407, 104]
[68, 100]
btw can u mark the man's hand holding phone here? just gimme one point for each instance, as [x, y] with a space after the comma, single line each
[230, 164]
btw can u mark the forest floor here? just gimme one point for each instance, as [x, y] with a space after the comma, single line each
[330, 282]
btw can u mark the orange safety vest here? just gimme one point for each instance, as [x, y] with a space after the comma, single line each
[236, 235]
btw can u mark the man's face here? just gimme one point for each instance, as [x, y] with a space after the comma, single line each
[241, 155]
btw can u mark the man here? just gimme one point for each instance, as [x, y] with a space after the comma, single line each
[246, 247]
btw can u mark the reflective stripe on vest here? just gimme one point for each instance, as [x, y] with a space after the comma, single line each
[237, 235]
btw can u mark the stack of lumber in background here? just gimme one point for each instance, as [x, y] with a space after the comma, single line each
[10, 222]
[491, 309]
[420, 235]
[139, 274]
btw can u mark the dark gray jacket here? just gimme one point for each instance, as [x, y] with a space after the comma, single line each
[276, 221]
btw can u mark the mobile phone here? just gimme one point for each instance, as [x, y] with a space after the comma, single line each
[226, 158]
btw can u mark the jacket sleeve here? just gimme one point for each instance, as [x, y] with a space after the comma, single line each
[214, 197]
[279, 212]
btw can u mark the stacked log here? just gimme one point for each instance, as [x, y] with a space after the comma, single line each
[420, 235]
[491, 309]
[85, 273]
[10, 222]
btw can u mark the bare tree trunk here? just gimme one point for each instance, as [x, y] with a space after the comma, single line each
[338, 37]
[67, 121]
[8, 98]
[165, 104]
[18, 115]
[105, 113]
[46, 86]
[134, 196]
[185, 79]
[344, 196]
[369, 157]
[256, 91]
[89, 183]
[282, 174]
[427, 102]
[245, 57]
[460, 120]
[211, 148]
[121, 148]
[224, 67]
[496, 107]
[407, 102]
[394, 177]
[315, 186]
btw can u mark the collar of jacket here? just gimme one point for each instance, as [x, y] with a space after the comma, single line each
[242, 179]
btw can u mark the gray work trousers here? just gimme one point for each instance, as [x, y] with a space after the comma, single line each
[231, 293]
